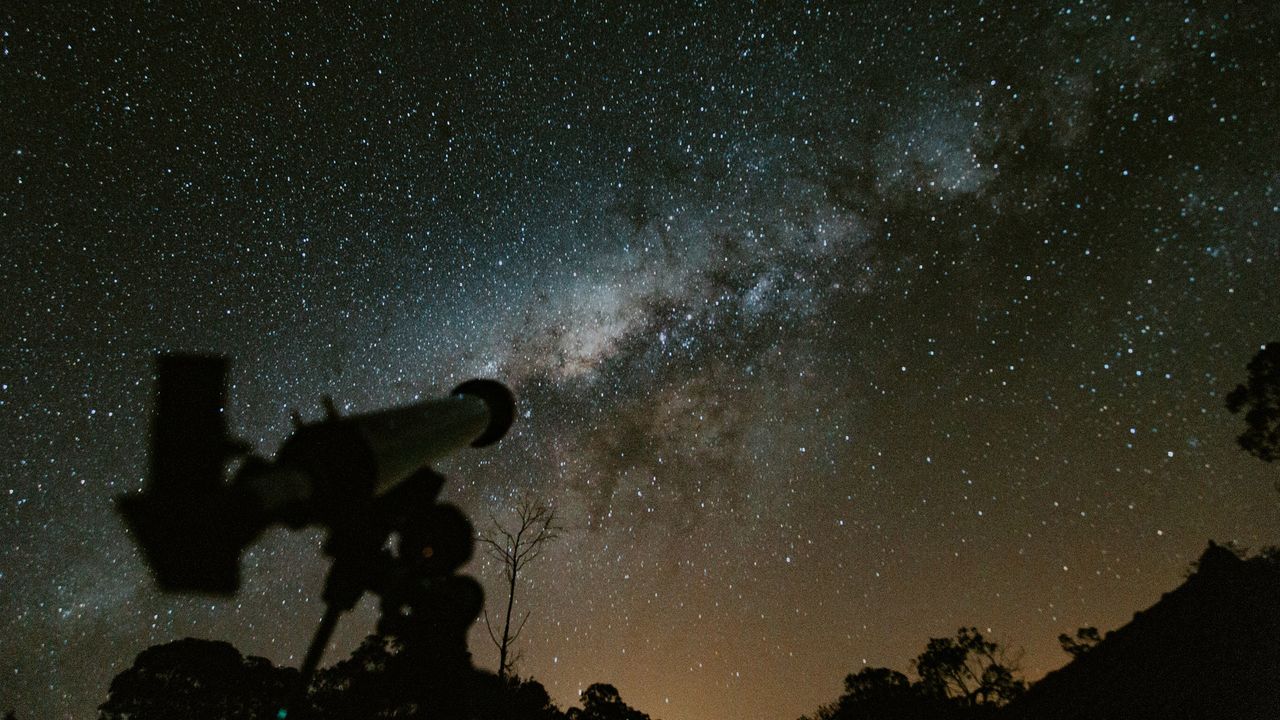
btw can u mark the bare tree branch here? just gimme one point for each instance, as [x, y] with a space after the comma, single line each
[492, 636]
[520, 629]
[515, 548]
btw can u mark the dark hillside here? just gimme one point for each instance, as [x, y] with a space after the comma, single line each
[1209, 649]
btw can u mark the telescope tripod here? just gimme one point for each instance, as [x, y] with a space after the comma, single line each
[363, 477]
[423, 602]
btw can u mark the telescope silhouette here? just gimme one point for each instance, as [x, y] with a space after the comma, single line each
[193, 525]
[364, 478]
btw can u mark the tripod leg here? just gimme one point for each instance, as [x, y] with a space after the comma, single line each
[316, 650]
[318, 642]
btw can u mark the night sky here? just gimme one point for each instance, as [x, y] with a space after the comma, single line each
[834, 328]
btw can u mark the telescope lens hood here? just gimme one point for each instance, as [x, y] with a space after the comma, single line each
[500, 402]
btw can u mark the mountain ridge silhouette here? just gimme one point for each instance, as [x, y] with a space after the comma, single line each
[1208, 649]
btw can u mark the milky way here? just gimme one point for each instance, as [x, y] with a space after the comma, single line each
[833, 330]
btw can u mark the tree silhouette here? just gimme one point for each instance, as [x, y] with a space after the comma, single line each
[962, 678]
[601, 701]
[381, 680]
[206, 680]
[877, 693]
[363, 685]
[515, 548]
[968, 670]
[197, 680]
[1261, 395]
[1085, 640]
[528, 700]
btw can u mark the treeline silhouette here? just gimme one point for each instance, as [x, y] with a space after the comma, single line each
[210, 680]
[1208, 649]
[967, 676]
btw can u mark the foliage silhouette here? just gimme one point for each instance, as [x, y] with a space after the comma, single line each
[962, 678]
[1085, 640]
[1154, 667]
[1261, 395]
[968, 669]
[196, 680]
[529, 700]
[207, 680]
[601, 701]
[381, 679]
[363, 684]
[877, 693]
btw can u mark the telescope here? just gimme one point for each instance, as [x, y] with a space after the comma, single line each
[193, 525]
[364, 478]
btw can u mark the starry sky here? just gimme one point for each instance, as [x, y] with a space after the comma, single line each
[834, 327]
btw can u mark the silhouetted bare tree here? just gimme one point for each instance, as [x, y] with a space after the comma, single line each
[515, 547]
